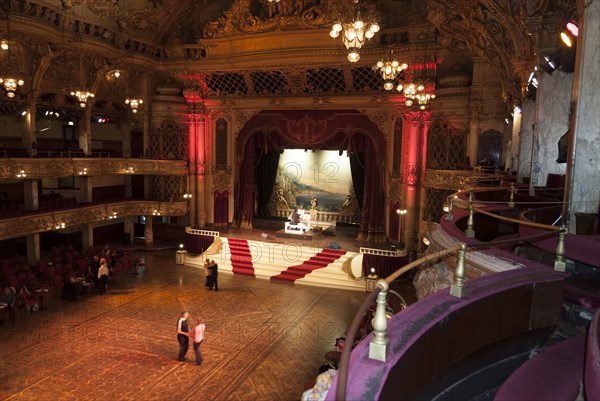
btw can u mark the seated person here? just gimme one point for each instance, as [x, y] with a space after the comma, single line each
[295, 217]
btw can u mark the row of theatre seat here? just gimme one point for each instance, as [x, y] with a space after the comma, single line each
[10, 209]
[65, 152]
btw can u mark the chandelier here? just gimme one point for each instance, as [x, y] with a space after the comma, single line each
[82, 97]
[134, 103]
[355, 30]
[421, 91]
[11, 84]
[390, 69]
[8, 80]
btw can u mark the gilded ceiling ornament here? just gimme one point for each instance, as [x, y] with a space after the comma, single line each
[103, 8]
[246, 16]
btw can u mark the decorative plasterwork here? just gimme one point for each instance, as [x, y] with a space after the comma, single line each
[241, 118]
[264, 17]
[452, 179]
[221, 180]
[379, 118]
[63, 167]
[394, 189]
[47, 221]
[500, 31]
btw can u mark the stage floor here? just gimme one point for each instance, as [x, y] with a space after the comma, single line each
[345, 236]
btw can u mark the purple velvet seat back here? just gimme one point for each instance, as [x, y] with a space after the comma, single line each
[555, 181]
[592, 360]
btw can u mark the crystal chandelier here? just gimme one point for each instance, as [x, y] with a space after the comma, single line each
[421, 91]
[11, 85]
[134, 103]
[390, 69]
[82, 97]
[355, 29]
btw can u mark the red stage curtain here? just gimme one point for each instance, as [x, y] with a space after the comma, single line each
[245, 190]
[266, 173]
[221, 205]
[394, 219]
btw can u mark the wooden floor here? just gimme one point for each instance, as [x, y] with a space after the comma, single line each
[264, 341]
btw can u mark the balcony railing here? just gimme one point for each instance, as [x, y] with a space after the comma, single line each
[42, 221]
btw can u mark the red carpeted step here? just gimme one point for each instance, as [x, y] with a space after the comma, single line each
[241, 257]
[320, 260]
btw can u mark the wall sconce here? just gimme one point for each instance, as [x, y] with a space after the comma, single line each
[187, 196]
[113, 216]
[21, 174]
[84, 171]
[129, 170]
[59, 225]
[155, 213]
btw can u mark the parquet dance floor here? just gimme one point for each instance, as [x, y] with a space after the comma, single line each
[264, 340]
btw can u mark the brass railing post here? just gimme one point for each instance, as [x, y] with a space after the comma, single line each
[511, 199]
[449, 215]
[470, 232]
[457, 287]
[378, 348]
[559, 261]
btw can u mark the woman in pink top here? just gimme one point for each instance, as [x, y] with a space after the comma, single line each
[198, 337]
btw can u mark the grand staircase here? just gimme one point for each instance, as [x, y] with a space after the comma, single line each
[283, 263]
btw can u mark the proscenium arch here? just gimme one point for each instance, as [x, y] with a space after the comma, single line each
[328, 123]
[317, 129]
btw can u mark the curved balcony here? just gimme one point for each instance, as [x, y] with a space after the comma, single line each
[41, 221]
[36, 168]
[502, 306]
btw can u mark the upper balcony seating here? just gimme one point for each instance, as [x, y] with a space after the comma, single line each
[558, 372]
[554, 188]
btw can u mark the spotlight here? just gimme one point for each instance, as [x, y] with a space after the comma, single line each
[566, 39]
[573, 28]
[550, 62]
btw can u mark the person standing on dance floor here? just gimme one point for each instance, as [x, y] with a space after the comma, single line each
[198, 337]
[207, 273]
[183, 336]
[214, 275]
[102, 277]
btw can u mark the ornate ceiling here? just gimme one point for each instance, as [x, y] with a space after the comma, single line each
[191, 37]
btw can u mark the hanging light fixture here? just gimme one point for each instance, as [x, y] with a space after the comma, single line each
[133, 102]
[390, 69]
[82, 95]
[11, 84]
[5, 39]
[8, 79]
[355, 28]
[421, 90]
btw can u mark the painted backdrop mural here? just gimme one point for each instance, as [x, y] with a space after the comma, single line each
[318, 180]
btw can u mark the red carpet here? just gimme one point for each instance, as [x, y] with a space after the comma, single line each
[320, 260]
[241, 258]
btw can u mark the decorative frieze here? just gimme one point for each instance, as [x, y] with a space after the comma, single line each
[35, 168]
[453, 179]
[55, 220]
